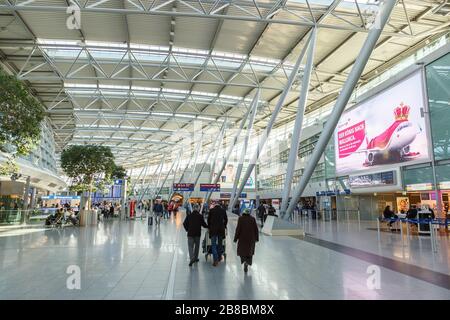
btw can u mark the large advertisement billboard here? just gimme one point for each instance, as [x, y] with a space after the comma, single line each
[228, 176]
[387, 129]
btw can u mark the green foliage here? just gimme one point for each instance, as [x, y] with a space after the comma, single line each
[20, 116]
[87, 165]
[118, 172]
[9, 167]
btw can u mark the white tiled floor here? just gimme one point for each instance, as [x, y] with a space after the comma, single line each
[362, 235]
[129, 260]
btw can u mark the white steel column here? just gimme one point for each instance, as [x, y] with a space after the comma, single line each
[156, 170]
[234, 196]
[276, 111]
[213, 145]
[295, 141]
[386, 8]
[216, 154]
[230, 150]
[168, 173]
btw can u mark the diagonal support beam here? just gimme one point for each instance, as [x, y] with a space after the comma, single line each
[302, 101]
[385, 11]
[234, 196]
[230, 150]
[276, 111]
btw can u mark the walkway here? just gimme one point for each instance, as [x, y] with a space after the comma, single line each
[129, 260]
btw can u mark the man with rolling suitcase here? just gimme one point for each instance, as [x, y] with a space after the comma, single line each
[217, 223]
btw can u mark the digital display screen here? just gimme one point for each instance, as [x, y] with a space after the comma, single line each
[388, 128]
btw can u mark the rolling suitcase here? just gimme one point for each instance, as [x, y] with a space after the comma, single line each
[150, 220]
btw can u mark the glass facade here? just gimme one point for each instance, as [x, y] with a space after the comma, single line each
[438, 87]
[43, 156]
[438, 91]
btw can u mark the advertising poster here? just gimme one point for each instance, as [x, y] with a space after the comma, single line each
[228, 176]
[372, 180]
[402, 204]
[386, 129]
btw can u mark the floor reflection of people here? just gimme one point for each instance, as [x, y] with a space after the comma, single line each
[157, 240]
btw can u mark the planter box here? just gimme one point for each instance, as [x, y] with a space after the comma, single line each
[88, 218]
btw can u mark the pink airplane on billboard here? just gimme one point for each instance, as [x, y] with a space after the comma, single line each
[393, 145]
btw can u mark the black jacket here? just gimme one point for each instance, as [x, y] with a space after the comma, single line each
[412, 213]
[158, 207]
[261, 210]
[193, 224]
[247, 234]
[217, 221]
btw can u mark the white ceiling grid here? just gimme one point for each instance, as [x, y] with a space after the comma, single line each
[139, 71]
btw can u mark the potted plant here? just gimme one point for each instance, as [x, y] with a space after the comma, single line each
[89, 167]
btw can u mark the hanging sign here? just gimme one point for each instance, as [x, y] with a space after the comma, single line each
[210, 187]
[183, 187]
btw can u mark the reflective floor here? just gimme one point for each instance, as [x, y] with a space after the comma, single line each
[129, 260]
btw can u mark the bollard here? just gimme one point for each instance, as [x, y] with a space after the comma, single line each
[401, 228]
[378, 228]
[433, 247]
[407, 228]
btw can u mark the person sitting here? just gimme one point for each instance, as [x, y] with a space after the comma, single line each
[412, 212]
[389, 214]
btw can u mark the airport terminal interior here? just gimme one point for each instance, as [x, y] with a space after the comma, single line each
[224, 149]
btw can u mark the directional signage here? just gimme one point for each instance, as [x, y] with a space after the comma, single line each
[227, 195]
[56, 197]
[183, 187]
[210, 187]
[330, 193]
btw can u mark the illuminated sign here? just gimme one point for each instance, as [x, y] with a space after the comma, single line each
[372, 180]
[228, 176]
[419, 187]
[55, 197]
[388, 128]
[444, 185]
[210, 187]
[227, 195]
[183, 187]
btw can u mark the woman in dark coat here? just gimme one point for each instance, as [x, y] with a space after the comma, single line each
[247, 234]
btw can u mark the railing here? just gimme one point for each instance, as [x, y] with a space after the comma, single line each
[19, 216]
[433, 227]
[298, 216]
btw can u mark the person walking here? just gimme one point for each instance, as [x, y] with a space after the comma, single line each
[217, 223]
[111, 211]
[246, 236]
[261, 213]
[193, 224]
[158, 211]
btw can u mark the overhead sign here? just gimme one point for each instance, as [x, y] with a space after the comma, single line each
[419, 187]
[227, 195]
[210, 187]
[183, 187]
[444, 185]
[55, 197]
[387, 129]
[372, 180]
[330, 193]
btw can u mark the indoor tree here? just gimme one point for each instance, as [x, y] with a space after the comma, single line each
[89, 166]
[21, 115]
